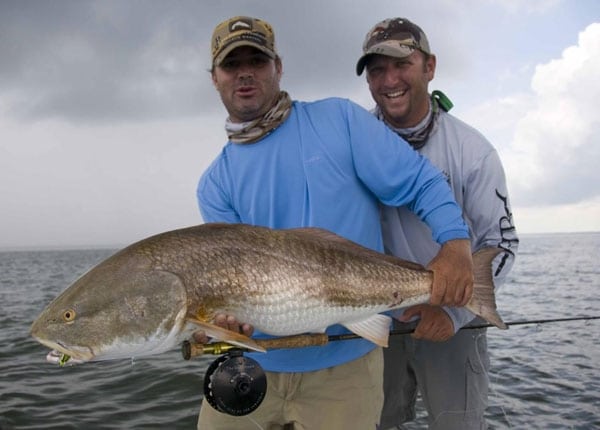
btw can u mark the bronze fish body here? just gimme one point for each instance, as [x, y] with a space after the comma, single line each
[150, 296]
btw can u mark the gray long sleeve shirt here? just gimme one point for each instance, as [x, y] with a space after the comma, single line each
[476, 176]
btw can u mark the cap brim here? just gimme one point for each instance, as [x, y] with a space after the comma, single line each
[399, 51]
[227, 50]
[362, 62]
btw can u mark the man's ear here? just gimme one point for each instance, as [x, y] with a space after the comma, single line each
[430, 66]
[213, 78]
[279, 66]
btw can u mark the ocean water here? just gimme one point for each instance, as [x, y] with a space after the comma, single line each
[543, 376]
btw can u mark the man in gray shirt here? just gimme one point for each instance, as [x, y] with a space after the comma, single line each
[449, 367]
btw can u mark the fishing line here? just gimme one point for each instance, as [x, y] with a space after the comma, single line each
[255, 423]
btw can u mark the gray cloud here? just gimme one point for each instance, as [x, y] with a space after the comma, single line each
[102, 61]
[108, 115]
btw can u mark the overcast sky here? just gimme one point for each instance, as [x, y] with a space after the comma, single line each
[108, 115]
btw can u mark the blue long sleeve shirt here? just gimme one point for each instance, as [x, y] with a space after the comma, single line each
[328, 165]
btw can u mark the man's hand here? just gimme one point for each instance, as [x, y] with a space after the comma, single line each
[435, 324]
[452, 274]
[228, 322]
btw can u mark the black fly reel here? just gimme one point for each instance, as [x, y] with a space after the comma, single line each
[235, 384]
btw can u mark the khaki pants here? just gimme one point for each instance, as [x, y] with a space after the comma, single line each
[345, 397]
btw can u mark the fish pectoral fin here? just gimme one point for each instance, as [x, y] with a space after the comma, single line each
[228, 336]
[375, 328]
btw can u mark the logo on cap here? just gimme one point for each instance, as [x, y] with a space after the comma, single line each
[243, 24]
[242, 31]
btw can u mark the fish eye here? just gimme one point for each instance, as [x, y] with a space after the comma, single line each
[69, 315]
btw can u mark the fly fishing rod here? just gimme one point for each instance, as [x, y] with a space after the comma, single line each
[190, 350]
[236, 385]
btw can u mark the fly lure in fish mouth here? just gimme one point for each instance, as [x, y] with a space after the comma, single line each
[63, 359]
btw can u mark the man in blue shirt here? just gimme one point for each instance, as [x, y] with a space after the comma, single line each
[326, 164]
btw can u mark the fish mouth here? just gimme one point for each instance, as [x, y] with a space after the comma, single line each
[79, 353]
[57, 357]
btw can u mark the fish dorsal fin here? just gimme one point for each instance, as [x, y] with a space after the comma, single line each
[375, 328]
[228, 336]
[319, 235]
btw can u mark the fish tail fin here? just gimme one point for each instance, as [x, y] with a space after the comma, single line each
[483, 301]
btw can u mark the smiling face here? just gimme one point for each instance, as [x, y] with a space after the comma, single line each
[399, 86]
[248, 82]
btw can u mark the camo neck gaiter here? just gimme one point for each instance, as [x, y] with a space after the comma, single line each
[251, 131]
[417, 136]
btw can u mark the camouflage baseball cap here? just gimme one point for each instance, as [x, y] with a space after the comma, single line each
[396, 37]
[242, 31]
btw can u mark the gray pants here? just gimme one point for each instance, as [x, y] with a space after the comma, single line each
[451, 376]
